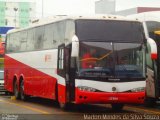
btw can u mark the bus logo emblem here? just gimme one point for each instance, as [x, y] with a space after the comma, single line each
[114, 89]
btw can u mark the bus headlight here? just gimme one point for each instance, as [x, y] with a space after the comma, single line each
[85, 88]
[140, 89]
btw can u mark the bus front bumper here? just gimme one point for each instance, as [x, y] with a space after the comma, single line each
[109, 97]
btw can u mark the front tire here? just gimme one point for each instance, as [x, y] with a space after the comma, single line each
[117, 107]
[7, 93]
[22, 94]
[16, 92]
[150, 102]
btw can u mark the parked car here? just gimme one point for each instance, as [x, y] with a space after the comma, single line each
[2, 81]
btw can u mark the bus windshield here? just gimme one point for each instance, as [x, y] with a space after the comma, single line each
[108, 59]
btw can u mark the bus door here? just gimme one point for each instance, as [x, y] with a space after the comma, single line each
[157, 64]
[70, 74]
[60, 63]
[64, 70]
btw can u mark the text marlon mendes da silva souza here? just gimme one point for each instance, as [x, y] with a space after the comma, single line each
[121, 117]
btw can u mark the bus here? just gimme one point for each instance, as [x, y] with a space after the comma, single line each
[152, 24]
[79, 59]
[153, 65]
[2, 48]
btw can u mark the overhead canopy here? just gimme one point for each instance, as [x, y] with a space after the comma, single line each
[3, 30]
[157, 32]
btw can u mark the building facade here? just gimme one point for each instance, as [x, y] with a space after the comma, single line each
[109, 7]
[105, 7]
[137, 10]
[16, 14]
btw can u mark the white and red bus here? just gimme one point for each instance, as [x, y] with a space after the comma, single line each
[153, 65]
[97, 59]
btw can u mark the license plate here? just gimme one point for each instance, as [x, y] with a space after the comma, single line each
[113, 98]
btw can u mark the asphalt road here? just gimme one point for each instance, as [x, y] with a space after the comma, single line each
[43, 109]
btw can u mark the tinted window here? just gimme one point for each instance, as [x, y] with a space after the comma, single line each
[153, 26]
[8, 44]
[30, 39]
[109, 30]
[43, 37]
[148, 57]
[70, 30]
[59, 33]
[107, 59]
[48, 37]
[23, 40]
[16, 40]
[14, 44]
[54, 35]
[39, 38]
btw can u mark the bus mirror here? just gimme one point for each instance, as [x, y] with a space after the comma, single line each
[75, 46]
[153, 46]
[153, 56]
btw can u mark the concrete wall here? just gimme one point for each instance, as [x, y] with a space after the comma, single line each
[127, 12]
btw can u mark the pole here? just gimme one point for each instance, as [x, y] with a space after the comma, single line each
[42, 8]
[15, 9]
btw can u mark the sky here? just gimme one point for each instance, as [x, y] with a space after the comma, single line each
[68, 7]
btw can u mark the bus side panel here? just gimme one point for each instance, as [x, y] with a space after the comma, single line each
[40, 84]
[61, 93]
[8, 73]
[36, 82]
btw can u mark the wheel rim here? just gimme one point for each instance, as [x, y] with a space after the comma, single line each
[22, 90]
[15, 90]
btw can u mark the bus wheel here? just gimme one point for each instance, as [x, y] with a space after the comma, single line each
[16, 92]
[64, 106]
[22, 94]
[150, 102]
[117, 106]
[7, 93]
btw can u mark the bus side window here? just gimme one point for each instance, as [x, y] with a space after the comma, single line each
[23, 41]
[48, 37]
[148, 57]
[39, 38]
[30, 40]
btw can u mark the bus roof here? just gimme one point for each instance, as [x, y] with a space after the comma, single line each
[52, 19]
